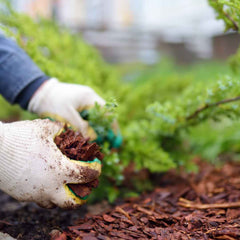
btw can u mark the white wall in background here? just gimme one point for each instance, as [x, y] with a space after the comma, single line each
[71, 12]
[189, 21]
[171, 18]
[180, 18]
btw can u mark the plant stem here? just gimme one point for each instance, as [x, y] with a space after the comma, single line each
[189, 204]
[206, 106]
[232, 20]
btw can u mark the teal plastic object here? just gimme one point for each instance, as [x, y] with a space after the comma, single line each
[115, 140]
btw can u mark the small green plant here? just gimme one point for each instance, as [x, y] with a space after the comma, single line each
[101, 119]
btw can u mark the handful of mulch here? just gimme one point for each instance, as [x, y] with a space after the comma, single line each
[76, 147]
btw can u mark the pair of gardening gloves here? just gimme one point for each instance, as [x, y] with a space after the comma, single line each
[32, 168]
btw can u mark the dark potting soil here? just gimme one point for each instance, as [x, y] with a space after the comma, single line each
[76, 147]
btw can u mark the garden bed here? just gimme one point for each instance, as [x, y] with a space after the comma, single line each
[183, 206]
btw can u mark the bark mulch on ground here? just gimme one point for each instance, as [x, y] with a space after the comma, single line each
[202, 206]
[183, 206]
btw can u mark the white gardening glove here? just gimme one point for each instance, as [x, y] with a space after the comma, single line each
[32, 168]
[64, 101]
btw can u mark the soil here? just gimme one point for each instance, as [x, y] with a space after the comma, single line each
[75, 146]
[27, 221]
[182, 206]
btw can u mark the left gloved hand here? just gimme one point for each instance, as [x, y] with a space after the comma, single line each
[63, 102]
[33, 169]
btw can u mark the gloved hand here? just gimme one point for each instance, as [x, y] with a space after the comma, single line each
[64, 101]
[32, 168]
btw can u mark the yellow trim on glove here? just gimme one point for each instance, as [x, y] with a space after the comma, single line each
[71, 195]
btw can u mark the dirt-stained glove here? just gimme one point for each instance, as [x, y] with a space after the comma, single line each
[32, 168]
[64, 101]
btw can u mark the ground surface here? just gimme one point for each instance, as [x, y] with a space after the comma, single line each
[202, 206]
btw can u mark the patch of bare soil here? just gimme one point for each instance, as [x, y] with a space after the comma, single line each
[28, 221]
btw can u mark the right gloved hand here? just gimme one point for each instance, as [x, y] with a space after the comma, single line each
[63, 102]
[32, 168]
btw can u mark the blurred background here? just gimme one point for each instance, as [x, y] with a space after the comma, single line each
[141, 30]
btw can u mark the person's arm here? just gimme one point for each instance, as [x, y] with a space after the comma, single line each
[32, 168]
[23, 83]
[19, 75]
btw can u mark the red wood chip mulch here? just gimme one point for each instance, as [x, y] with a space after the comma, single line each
[202, 206]
[75, 146]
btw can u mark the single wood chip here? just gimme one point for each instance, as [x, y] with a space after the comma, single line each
[189, 204]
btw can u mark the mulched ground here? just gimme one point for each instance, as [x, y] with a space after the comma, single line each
[202, 206]
[183, 206]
